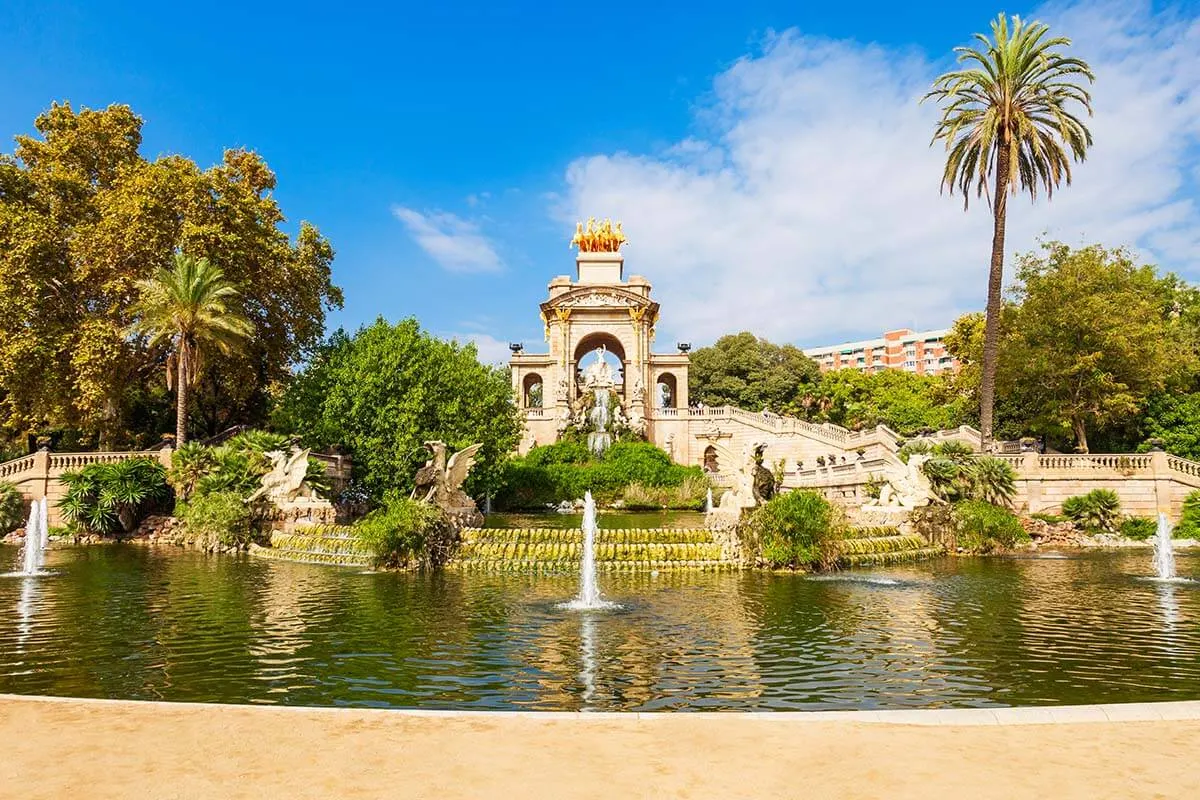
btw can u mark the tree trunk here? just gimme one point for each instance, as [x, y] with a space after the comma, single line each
[991, 328]
[1077, 425]
[181, 397]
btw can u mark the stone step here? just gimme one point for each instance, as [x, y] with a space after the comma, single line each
[874, 532]
[309, 557]
[319, 544]
[886, 559]
[882, 544]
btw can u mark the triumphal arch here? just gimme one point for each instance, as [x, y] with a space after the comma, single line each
[599, 312]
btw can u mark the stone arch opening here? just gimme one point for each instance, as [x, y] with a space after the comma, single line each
[711, 464]
[532, 391]
[614, 354]
[668, 391]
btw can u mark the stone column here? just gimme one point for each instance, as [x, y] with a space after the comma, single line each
[1031, 472]
[1163, 485]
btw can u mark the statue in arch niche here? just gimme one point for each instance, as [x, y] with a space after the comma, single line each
[598, 374]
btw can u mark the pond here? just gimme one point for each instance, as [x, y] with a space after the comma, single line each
[143, 623]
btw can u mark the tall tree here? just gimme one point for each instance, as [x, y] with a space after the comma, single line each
[1009, 116]
[1089, 337]
[188, 308]
[748, 372]
[84, 217]
[386, 390]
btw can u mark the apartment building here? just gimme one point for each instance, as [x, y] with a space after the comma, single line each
[921, 352]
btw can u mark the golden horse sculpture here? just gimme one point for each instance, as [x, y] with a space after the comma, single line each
[601, 237]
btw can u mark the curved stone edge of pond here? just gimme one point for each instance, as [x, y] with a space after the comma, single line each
[1175, 710]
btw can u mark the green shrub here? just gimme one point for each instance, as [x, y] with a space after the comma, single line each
[981, 527]
[190, 463]
[1138, 527]
[993, 480]
[1051, 518]
[798, 529]
[12, 508]
[406, 533]
[1189, 519]
[218, 517]
[113, 498]
[1097, 511]
[564, 471]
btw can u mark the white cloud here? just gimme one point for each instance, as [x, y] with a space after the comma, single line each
[453, 242]
[491, 350]
[807, 209]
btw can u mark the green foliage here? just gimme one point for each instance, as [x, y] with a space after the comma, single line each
[1098, 511]
[1051, 518]
[1138, 527]
[1073, 363]
[690, 493]
[1189, 519]
[993, 480]
[907, 403]
[385, 391]
[113, 498]
[406, 533]
[218, 517]
[12, 508]
[982, 527]
[84, 217]
[1173, 418]
[751, 373]
[799, 529]
[190, 463]
[566, 470]
[234, 470]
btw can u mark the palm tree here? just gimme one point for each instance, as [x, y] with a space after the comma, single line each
[186, 305]
[1008, 116]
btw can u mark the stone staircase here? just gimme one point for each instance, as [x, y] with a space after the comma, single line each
[320, 544]
[553, 550]
[878, 547]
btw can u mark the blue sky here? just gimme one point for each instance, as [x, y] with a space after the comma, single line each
[768, 159]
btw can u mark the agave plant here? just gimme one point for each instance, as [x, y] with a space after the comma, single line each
[111, 498]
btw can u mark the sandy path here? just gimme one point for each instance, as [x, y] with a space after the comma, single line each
[154, 750]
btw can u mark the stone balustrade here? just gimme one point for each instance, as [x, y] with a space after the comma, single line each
[1145, 482]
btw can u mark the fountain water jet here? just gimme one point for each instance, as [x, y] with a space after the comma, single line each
[1164, 554]
[600, 439]
[37, 534]
[589, 592]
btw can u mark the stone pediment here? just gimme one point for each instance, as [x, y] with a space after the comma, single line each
[598, 297]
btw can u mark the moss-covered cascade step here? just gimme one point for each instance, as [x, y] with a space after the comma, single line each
[571, 567]
[889, 558]
[317, 545]
[618, 535]
[605, 551]
[552, 550]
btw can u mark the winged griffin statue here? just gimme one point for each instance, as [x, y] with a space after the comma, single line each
[440, 482]
[285, 482]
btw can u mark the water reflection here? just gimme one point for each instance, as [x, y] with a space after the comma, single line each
[140, 623]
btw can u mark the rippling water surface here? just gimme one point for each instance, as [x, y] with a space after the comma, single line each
[141, 623]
